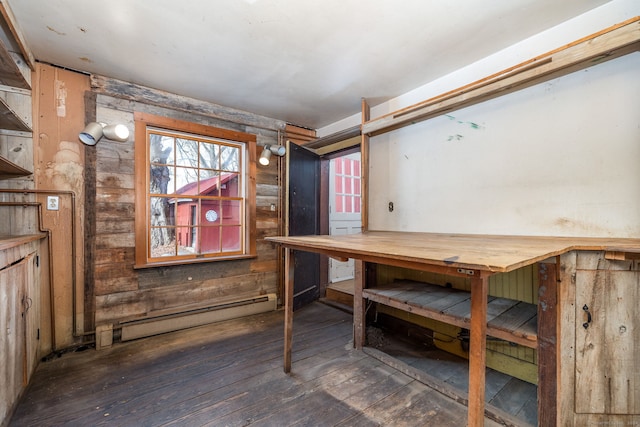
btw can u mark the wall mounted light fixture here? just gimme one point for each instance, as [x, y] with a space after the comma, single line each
[93, 131]
[278, 150]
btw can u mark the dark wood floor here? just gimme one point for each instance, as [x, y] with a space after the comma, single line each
[230, 374]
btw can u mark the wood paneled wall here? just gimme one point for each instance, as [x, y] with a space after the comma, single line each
[109, 290]
[124, 293]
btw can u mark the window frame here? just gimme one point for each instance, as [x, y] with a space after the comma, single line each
[143, 121]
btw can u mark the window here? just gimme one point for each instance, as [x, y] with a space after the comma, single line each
[195, 192]
[347, 185]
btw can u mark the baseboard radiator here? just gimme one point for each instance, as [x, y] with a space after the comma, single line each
[172, 322]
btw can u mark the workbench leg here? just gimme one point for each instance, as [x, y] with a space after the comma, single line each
[288, 307]
[477, 350]
[358, 306]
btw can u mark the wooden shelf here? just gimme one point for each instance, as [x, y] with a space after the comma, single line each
[507, 319]
[9, 120]
[10, 73]
[11, 170]
[605, 45]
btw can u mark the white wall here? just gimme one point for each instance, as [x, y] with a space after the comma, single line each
[559, 158]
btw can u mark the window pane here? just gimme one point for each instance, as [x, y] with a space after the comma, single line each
[209, 183]
[187, 212]
[211, 212]
[161, 149]
[231, 239]
[339, 207]
[229, 158]
[347, 185]
[210, 242]
[347, 167]
[339, 184]
[186, 153]
[162, 242]
[356, 204]
[187, 240]
[209, 155]
[356, 168]
[161, 179]
[229, 186]
[338, 163]
[348, 206]
[186, 181]
[231, 213]
[356, 186]
[161, 211]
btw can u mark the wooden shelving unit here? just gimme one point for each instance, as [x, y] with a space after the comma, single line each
[14, 73]
[507, 319]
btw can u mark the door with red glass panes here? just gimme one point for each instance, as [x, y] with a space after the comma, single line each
[344, 208]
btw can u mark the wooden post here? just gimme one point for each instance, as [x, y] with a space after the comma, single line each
[547, 353]
[364, 169]
[288, 307]
[358, 306]
[477, 348]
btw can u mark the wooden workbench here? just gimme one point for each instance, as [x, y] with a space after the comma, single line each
[474, 256]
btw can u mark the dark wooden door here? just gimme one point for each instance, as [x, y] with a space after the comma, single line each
[304, 219]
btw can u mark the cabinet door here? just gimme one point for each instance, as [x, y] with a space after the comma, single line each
[607, 336]
[12, 335]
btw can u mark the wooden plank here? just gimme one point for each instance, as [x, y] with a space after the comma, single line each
[288, 307]
[10, 120]
[497, 306]
[10, 20]
[359, 313]
[227, 374]
[515, 317]
[566, 340]
[454, 307]
[606, 340]
[604, 45]
[547, 350]
[454, 253]
[477, 350]
[149, 96]
[10, 73]
[364, 166]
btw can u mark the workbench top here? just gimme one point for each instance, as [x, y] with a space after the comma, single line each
[491, 253]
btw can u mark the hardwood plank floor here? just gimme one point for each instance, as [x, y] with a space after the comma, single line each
[230, 374]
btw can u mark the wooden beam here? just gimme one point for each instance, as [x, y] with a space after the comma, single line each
[478, 349]
[288, 307]
[10, 20]
[299, 135]
[364, 167]
[602, 46]
[547, 339]
[145, 95]
[615, 255]
[359, 326]
[334, 138]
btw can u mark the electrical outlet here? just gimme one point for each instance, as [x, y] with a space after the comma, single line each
[53, 203]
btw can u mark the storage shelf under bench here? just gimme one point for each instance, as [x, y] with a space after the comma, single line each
[511, 320]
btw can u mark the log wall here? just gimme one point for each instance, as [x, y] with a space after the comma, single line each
[124, 293]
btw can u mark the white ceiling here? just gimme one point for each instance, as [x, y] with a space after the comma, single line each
[308, 62]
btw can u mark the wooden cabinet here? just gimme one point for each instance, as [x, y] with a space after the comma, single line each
[599, 340]
[19, 320]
